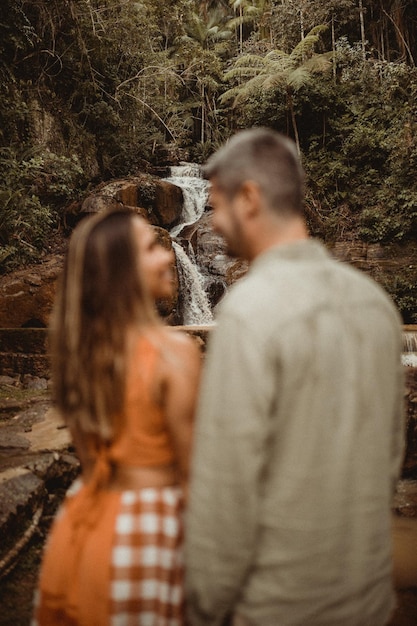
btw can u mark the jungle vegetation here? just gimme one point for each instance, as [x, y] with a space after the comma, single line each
[93, 89]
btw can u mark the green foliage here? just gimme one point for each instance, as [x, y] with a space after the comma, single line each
[147, 191]
[358, 139]
[25, 224]
[284, 74]
[402, 288]
[32, 189]
[51, 177]
[89, 89]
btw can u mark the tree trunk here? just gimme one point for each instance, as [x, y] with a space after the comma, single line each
[203, 111]
[294, 121]
[334, 49]
[362, 22]
[241, 29]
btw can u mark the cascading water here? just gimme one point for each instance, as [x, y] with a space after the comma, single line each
[196, 305]
[409, 356]
[195, 192]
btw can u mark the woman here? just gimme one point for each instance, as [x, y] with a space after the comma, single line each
[126, 386]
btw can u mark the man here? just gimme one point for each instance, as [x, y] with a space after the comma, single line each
[299, 435]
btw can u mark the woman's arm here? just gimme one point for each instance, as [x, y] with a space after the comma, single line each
[180, 371]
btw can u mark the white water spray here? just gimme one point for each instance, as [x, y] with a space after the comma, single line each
[195, 193]
[195, 301]
[409, 356]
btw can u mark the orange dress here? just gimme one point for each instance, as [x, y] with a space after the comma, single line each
[115, 557]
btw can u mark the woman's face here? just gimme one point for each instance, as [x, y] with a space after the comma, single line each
[156, 263]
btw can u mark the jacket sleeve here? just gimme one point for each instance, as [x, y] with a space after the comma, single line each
[228, 459]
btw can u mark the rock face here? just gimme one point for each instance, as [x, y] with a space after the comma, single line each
[168, 202]
[157, 200]
[218, 268]
[410, 459]
[374, 257]
[394, 266]
[168, 308]
[26, 296]
[24, 351]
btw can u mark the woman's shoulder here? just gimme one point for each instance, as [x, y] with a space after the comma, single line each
[166, 344]
[178, 340]
[177, 348]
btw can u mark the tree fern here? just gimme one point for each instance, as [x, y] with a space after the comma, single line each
[287, 72]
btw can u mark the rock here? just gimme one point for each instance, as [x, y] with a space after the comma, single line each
[9, 380]
[26, 295]
[218, 268]
[168, 307]
[24, 351]
[405, 500]
[34, 382]
[12, 441]
[99, 202]
[168, 203]
[392, 265]
[28, 497]
[410, 459]
[20, 496]
[158, 200]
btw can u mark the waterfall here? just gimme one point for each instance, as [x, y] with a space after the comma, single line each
[409, 356]
[196, 306]
[195, 192]
[191, 170]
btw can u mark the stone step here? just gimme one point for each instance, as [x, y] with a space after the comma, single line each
[24, 351]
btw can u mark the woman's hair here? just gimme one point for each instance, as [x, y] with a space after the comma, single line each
[267, 158]
[101, 295]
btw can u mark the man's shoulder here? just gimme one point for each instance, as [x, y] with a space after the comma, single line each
[365, 286]
[283, 289]
[241, 296]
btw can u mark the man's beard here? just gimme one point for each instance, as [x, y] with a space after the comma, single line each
[235, 245]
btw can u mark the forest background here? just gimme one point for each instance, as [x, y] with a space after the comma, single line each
[97, 89]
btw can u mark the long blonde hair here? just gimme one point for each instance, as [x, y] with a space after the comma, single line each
[101, 296]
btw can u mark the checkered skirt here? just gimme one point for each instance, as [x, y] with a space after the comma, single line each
[146, 586]
[146, 573]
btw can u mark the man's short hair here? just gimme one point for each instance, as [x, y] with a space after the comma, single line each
[267, 158]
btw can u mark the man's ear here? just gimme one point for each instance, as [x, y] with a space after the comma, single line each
[251, 198]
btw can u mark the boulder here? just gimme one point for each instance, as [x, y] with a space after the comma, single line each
[99, 202]
[158, 200]
[26, 295]
[168, 203]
